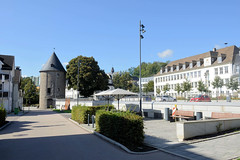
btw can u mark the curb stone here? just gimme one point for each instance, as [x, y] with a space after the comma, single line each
[4, 126]
[125, 148]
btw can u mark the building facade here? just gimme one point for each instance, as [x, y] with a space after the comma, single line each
[10, 94]
[36, 80]
[224, 63]
[53, 82]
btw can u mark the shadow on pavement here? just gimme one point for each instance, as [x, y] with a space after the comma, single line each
[17, 127]
[82, 146]
[177, 148]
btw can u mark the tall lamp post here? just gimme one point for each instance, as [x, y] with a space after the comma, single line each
[141, 30]
[79, 61]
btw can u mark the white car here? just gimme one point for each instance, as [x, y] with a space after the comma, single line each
[166, 98]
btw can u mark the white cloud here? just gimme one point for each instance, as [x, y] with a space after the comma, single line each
[217, 46]
[65, 63]
[24, 76]
[166, 53]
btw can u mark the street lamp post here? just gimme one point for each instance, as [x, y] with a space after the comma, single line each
[3, 79]
[141, 30]
[79, 61]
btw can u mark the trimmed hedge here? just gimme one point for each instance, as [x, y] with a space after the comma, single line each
[3, 114]
[80, 113]
[123, 127]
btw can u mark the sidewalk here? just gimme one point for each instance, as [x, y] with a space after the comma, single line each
[42, 134]
[162, 134]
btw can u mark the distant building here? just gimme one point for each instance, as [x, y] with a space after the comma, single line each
[224, 63]
[145, 80]
[10, 95]
[36, 80]
[53, 82]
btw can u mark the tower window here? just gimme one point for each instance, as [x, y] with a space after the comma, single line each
[49, 91]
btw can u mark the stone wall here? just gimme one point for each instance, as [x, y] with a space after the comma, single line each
[204, 127]
[55, 82]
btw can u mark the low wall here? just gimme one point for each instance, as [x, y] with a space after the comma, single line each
[191, 129]
[73, 102]
[159, 107]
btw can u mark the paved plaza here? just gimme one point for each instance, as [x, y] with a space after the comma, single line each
[162, 134]
[46, 135]
[49, 135]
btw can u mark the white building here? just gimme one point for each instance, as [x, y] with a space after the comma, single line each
[10, 80]
[223, 62]
[145, 80]
[71, 93]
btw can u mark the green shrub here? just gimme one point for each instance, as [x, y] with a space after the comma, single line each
[80, 113]
[123, 127]
[3, 114]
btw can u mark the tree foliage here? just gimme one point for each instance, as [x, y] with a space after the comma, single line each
[217, 83]
[178, 88]
[123, 81]
[158, 91]
[232, 84]
[202, 87]
[166, 88]
[149, 87]
[147, 69]
[91, 77]
[31, 93]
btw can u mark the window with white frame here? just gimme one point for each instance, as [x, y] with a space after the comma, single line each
[226, 69]
[199, 73]
[195, 74]
[216, 71]
[221, 70]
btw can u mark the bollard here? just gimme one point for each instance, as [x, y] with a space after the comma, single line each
[199, 116]
[166, 114]
[92, 121]
[88, 119]
[152, 104]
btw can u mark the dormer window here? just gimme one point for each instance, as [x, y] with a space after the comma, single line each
[177, 68]
[184, 67]
[198, 63]
[190, 65]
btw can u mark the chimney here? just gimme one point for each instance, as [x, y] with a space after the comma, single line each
[214, 49]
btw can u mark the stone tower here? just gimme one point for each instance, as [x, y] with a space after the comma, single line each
[53, 82]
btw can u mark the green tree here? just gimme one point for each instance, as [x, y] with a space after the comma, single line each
[232, 84]
[147, 69]
[158, 91]
[217, 83]
[201, 87]
[135, 88]
[149, 87]
[186, 87]
[178, 88]
[31, 93]
[166, 88]
[123, 81]
[91, 77]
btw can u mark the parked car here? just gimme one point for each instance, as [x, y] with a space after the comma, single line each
[200, 98]
[166, 98]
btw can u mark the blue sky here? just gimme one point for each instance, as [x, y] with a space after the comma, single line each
[108, 30]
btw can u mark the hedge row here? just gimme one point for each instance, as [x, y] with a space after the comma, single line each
[80, 113]
[123, 127]
[3, 114]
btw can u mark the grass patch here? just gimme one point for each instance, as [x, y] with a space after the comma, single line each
[62, 111]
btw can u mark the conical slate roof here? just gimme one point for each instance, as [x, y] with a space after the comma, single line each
[53, 64]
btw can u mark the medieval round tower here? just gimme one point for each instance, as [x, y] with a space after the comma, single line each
[52, 82]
